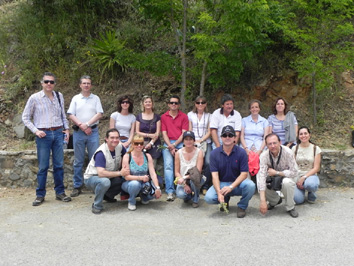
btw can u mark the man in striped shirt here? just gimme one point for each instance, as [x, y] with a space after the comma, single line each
[44, 115]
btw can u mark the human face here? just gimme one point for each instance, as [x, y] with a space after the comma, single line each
[173, 104]
[138, 145]
[125, 104]
[255, 108]
[147, 104]
[304, 135]
[228, 106]
[47, 86]
[228, 139]
[280, 106]
[273, 145]
[85, 85]
[112, 140]
[200, 105]
[188, 142]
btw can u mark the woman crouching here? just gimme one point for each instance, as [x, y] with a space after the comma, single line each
[188, 167]
[141, 169]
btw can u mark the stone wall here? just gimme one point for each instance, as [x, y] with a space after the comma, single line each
[19, 169]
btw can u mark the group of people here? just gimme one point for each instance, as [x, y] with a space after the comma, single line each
[200, 151]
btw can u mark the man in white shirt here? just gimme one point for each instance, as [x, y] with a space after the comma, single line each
[85, 111]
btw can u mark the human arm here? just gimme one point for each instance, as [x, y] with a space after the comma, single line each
[216, 184]
[214, 136]
[153, 176]
[131, 135]
[227, 189]
[180, 179]
[112, 122]
[263, 208]
[166, 139]
[316, 168]
[243, 141]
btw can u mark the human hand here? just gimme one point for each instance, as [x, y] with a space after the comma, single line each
[225, 190]
[180, 181]
[125, 171]
[40, 134]
[88, 131]
[158, 193]
[148, 146]
[187, 189]
[145, 178]
[300, 183]
[263, 208]
[271, 172]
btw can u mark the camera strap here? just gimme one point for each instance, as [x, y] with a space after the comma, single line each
[271, 158]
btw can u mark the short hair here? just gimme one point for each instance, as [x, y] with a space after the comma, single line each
[254, 101]
[121, 99]
[136, 137]
[110, 131]
[200, 98]
[274, 107]
[226, 97]
[85, 77]
[176, 97]
[143, 100]
[271, 135]
[50, 74]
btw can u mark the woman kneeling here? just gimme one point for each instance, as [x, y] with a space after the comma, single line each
[141, 168]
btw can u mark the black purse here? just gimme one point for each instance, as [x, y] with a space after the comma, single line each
[275, 182]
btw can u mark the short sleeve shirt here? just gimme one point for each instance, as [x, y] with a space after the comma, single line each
[199, 127]
[123, 123]
[278, 127]
[219, 120]
[305, 158]
[174, 126]
[230, 166]
[84, 108]
[254, 131]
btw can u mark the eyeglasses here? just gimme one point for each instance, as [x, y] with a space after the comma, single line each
[49, 81]
[175, 103]
[125, 102]
[200, 102]
[227, 136]
[138, 143]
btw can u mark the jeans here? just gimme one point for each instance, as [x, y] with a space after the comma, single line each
[206, 169]
[81, 141]
[102, 186]
[180, 193]
[52, 142]
[168, 167]
[246, 190]
[133, 188]
[311, 185]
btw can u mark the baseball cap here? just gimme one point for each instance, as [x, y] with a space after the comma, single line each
[228, 130]
[188, 134]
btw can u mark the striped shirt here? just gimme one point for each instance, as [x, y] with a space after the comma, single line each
[287, 165]
[45, 113]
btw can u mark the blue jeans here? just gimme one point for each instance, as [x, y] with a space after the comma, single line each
[102, 186]
[206, 169]
[133, 188]
[52, 142]
[81, 141]
[168, 167]
[246, 189]
[311, 185]
[180, 193]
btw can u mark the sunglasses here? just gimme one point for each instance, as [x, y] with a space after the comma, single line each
[127, 102]
[200, 102]
[138, 143]
[49, 81]
[227, 136]
[175, 103]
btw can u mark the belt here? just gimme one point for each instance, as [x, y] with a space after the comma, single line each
[50, 129]
[76, 128]
[123, 137]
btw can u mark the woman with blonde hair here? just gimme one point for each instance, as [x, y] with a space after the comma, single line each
[141, 170]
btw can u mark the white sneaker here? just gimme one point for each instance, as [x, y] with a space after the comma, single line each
[131, 207]
[170, 197]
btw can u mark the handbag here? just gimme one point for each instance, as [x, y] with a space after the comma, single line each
[274, 182]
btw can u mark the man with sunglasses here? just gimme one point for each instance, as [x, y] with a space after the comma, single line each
[173, 124]
[85, 111]
[104, 175]
[229, 169]
[46, 109]
[226, 115]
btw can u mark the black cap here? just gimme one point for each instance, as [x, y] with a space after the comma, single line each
[228, 130]
[188, 134]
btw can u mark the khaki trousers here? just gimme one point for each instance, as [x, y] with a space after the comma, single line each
[288, 189]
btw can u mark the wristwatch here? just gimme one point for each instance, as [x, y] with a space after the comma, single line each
[231, 187]
[158, 187]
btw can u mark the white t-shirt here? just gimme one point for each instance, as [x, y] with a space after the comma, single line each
[305, 158]
[218, 121]
[84, 108]
[199, 127]
[123, 123]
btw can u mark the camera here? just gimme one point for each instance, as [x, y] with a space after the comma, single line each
[146, 190]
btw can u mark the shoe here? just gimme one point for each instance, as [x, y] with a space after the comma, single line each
[240, 212]
[145, 202]
[293, 213]
[195, 205]
[311, 201]
[204, 191]
[170, 197]
[270, 207]
[62, 197]
[108, 199]
[124, 196]
[131, 207]
[76, 192]
[226, 200]
[38, 201]
[95, 210]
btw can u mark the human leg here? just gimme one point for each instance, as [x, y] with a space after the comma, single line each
[79, 154]
[99, 185]
[246, 190]
[58, 161]
[132, 187]
[311, 185]
[288, 189]
[43, 153]
[211, 197]
[168, 167]
[93, 142]
[181, 194]
[115, 188]
[299, 195]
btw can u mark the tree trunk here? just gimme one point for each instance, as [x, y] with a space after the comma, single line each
[314, 98]
[203, 78]
[183, 56]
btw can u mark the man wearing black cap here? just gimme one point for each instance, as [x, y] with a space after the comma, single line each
[229, 168]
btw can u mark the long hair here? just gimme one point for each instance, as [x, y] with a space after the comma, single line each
[274, 107]
[121, 99]
[298, 133]
[200, 98]
[143, 100]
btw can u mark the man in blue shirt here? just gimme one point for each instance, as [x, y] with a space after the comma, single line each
[229, 168]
